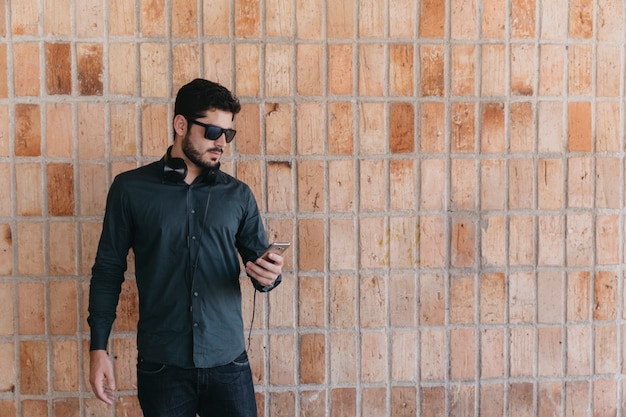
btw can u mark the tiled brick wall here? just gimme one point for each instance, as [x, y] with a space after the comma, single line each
[450, 172]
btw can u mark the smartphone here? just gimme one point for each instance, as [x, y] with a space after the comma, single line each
[276, 247]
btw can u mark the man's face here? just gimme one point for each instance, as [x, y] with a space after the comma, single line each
[203, 152]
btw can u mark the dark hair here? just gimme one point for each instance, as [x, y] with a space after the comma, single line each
[199, 95]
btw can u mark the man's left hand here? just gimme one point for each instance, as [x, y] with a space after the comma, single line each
[266, 272]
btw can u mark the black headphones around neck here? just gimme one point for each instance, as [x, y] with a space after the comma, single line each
[175, 169]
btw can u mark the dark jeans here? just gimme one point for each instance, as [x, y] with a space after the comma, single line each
[169, 391]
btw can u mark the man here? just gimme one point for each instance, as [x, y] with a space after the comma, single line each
[186, 222]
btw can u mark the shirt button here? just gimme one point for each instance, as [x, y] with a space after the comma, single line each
[195, 294]
[193, 212]
[193, 238]
[195, 325]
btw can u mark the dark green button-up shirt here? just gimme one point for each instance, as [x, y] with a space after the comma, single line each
[186, 240]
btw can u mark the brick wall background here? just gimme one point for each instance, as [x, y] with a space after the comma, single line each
[450, 172]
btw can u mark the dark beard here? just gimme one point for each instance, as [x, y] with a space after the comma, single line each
[196, 157]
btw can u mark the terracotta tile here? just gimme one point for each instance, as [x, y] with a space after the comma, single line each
[309, 19]
[26, 68]
[6, 249]
[309, 137]
[217, 59]
[550, 244]
[521, 130]
[403, 19]
[247, 19]
[432, 127]
[493, 19]
[93, 182]
[433, 401]
[312, 359]
[403, 401]
[62, 258]
[121, 18]
[184, 18]
[577, 397]
[372, 185]
[607, 134]
[432, 248]
[90, 69]
[279, 69]
[579, 345]
[372, 64]
[402, 128]
[373, 242]
[462, 354]
[311, 236]
[551, 69]
[31, 256]
[550, 302]
[185, 65]
[402, 300]
[90, 19]
[371, 128]
[463, 251]
[373, 402]
[58, 68]
[343, 353]
[433, 363]
[343, 402]
[491, 399]
[339, 19]
[493, 186]
[523, 19]
[493, 76]
[579, 127]
[342, 244]
[310, 66]
[404, 355]
[247, 58]
[59, 119]
[153, 64]
[276, 25]
[342, 301]
[155, 135]
[432, 176]
[282, 357]
[578, 296]
[122, 68]
[403, 242]
[60, 189]
[523, 70]
[522, 351]
[341, 128]
[555, 12]
[4, 83]
[374, 356]
[123, 133]
[65, 366]
[33, 369]
[464, 184]
[462, 19]
[341, 184]
[492, 298]
[401, 70]
[280, 189]
[608, 68]
[521, 297]
[463, 127]
[493, 241]
[463, 292]
[23, 20]
[463, 70]
[27, 130]
[313, 403]
[312, 302]
[152, 17]
[606, 350]
[7, 317]
[66, 407]
[432, 19]
[371, 25]
[605, 296]
[492, 353]
[283, 401]
[550, 136]
[28, 189]
[432, 77]
[91, 130]
[372, 302]
[607, 240]
[580, 19]
[580, 70]
[340, 64]
[402, 183]
[550, 399]
[432, 309]
[278, 131]
[34, 407]
[610, 18]
[578, 240]
[6, 208]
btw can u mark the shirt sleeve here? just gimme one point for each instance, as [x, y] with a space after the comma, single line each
[252, 238]
[109, 266]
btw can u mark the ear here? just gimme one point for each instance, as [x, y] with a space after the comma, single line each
[180, 125]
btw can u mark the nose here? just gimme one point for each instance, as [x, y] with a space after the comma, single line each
[221, 141]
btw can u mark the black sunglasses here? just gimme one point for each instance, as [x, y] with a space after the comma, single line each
[212, 132]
